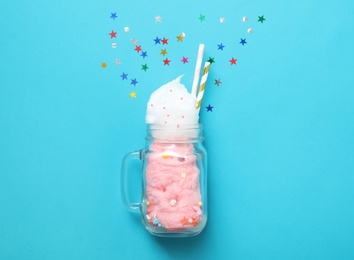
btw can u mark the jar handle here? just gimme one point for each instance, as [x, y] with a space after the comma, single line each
[134, 155]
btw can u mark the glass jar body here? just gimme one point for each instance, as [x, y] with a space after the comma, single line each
[174, 181]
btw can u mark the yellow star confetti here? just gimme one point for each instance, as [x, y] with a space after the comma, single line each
[163, 52]
[132, 94]
[183, 175]
[180, 38]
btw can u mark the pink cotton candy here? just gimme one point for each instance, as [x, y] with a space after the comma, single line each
[172, 186]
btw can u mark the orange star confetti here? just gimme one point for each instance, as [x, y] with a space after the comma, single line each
[184, 221]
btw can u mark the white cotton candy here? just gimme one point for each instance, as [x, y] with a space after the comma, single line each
[172, 104]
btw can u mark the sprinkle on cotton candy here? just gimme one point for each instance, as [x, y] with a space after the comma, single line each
[172, 104]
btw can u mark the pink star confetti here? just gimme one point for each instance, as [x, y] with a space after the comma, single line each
[184, 60]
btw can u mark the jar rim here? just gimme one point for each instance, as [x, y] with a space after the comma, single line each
[175, 133]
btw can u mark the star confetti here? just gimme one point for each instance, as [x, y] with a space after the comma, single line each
[113, 34]
[134, 41]
[166, 62]
[211, 60]
[158, 19]
[217, 82]
[202, 18]
[164, 41]
[184, 221]
[233, 61]
[144, 54]
[132, 94]
[113, 16]
[133, 82]
[243, 41]
[180, 38]
[137, 48]
[124, 76]
[184, 60]
[117, 62]
[209, 108]
[163, 52]
[221, 47]
[157, 40]
[144, 67]
[261, 19]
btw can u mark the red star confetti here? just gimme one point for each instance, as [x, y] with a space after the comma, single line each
[166, 62]
[164, 41]
[113, 34]
[137, 48]
[184, 60]
[233, 61]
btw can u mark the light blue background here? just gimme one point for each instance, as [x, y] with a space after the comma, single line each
[280, 138]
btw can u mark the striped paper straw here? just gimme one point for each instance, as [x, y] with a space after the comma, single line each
[197, 70]
[202, 85]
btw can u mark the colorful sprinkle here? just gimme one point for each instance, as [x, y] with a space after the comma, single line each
[173, 202]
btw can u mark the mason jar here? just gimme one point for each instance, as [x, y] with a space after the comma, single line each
[174, 180]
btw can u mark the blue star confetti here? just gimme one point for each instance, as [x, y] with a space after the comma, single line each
[124, 76]
[113, 16]
[221, 47]
[209, 108]
[133, 82]
[157, 40]
[243, 41]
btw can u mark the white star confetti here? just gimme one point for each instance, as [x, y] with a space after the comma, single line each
[158, 19]
[117, 62]
[126, 29]
[134, 41]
